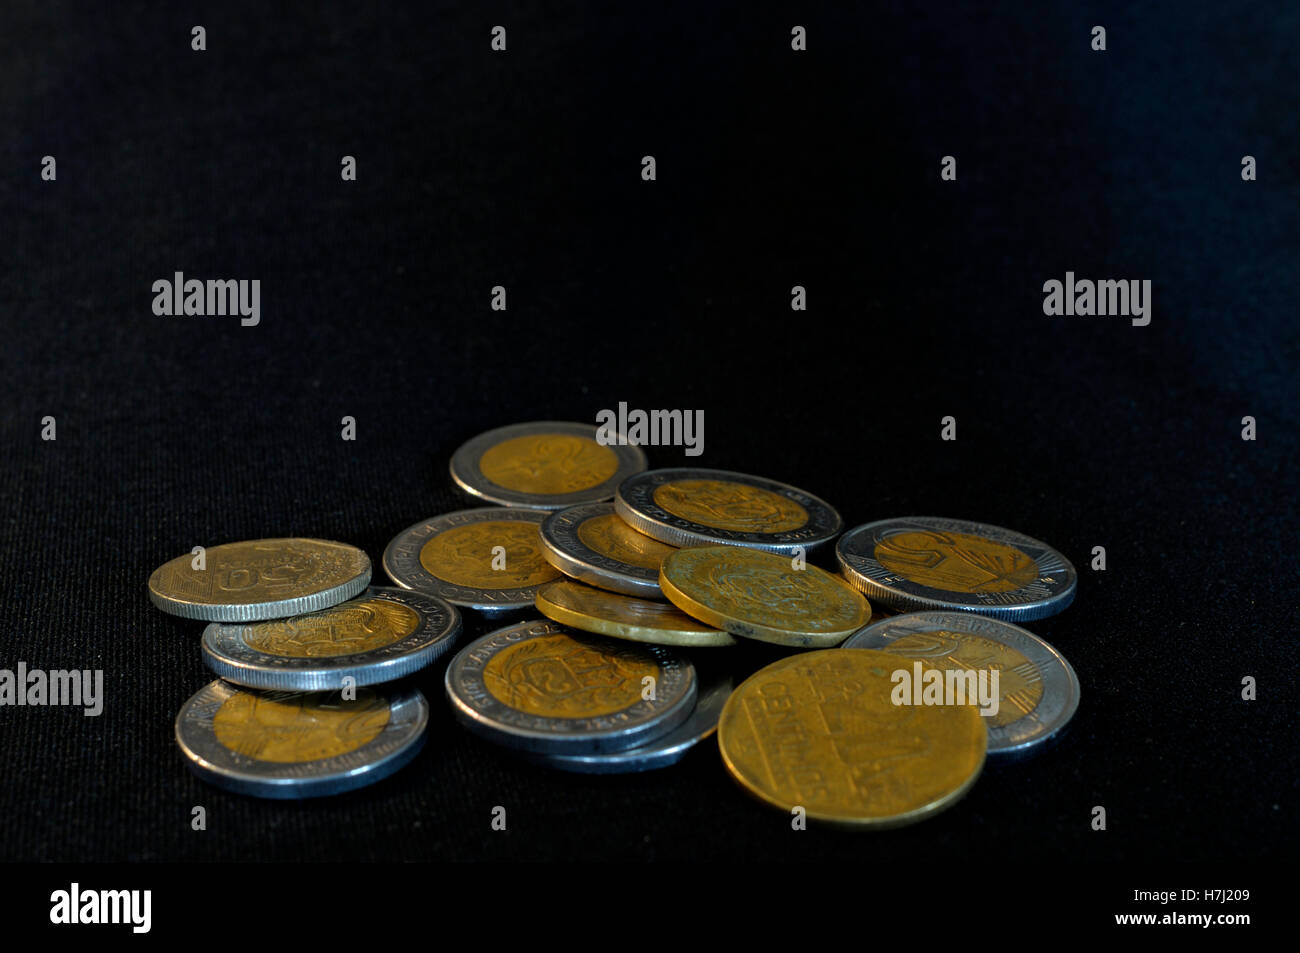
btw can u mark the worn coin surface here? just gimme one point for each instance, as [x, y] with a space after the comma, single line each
[926, 562]
[539, 687]
[819, 730]
[549, 465]
[624, 617]
[685, 506]
[661, 752]
[259, 579]
[299, 744]
[593, 544]
[381, 635]
[1038, 691]
[760, 595]
[488, 558]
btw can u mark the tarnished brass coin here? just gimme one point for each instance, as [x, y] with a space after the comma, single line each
[820, 730]
[259, 579]
[547, 465]
[595, 545]
[758, 595]
[623, 617]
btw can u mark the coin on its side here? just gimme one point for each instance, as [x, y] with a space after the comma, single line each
[686, 506]
[538, 687]
[381, 635]
[925, 562]
[488, 558]
[623, 617]
[593, 544]
[760, 595]
[299, 744]
[259, 579]
[1038, 691]
[820, 730]
[548, 465]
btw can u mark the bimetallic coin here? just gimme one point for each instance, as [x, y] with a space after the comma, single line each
[381, 635]
[488, 559]
[683, 506]
[622, 617]
[760, 595]
[538, 687]
[299, 744]
[593, 544]
[547, 465]
[924, 562]
[820, 730]
[661, 752]
[1038, 691]
[259, 579]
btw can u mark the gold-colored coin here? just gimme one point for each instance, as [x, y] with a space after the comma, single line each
[296, 727]
[548, 463]
[358, 625]
[610, 536]
[820, 731]
[623, 617]
[956, 562]
[733, 506]
[761, 595]
[498, 554]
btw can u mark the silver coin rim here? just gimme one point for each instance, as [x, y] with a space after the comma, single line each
[568, 553]
[1061, 689]
[877, 583]
[388, 751]
[476, 708]
[402, 561]
[634, 502]
[228, 654]
[261, 611]
[465, 471]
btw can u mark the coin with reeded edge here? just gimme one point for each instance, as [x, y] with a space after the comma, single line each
[926, 562]
[760, 595]
[259, 579]
[488, 558]
[661, 752]
[820, 730]
[381, 635]
[593, 544]
[686, 506]
[539, 687]
[1038, 691]
[299, 744]
[547, 465]
[623, 617]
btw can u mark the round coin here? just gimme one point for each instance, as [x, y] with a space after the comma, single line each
[1038, 691]
[259, 579]
[299, 744]
[547, 465]
[488, 559]
[760, 595]
[381, 635]
[819, 730]
[538, 687]
[622, 617]
[684, 506]
[924, 562]
[593, 544]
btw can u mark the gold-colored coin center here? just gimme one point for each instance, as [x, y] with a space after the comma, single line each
[611, 537]
[467, 556]
[296, 727]
[550, 463]
[258, 571]
[359, 625]
[737, 507]
[558, 676]
[956, 562]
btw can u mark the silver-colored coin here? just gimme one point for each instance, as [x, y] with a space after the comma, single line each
[1038, 691]
[661, 752]
[686, 506]
[299, 744]
[259, 579]
[539, 687]
[926, 562]
[547, 465]
[381, 635]
[489, 559]
[569, 536]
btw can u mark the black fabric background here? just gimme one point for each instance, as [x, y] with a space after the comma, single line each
[775, 168]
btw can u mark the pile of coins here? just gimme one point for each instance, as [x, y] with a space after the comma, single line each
[633, 571]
